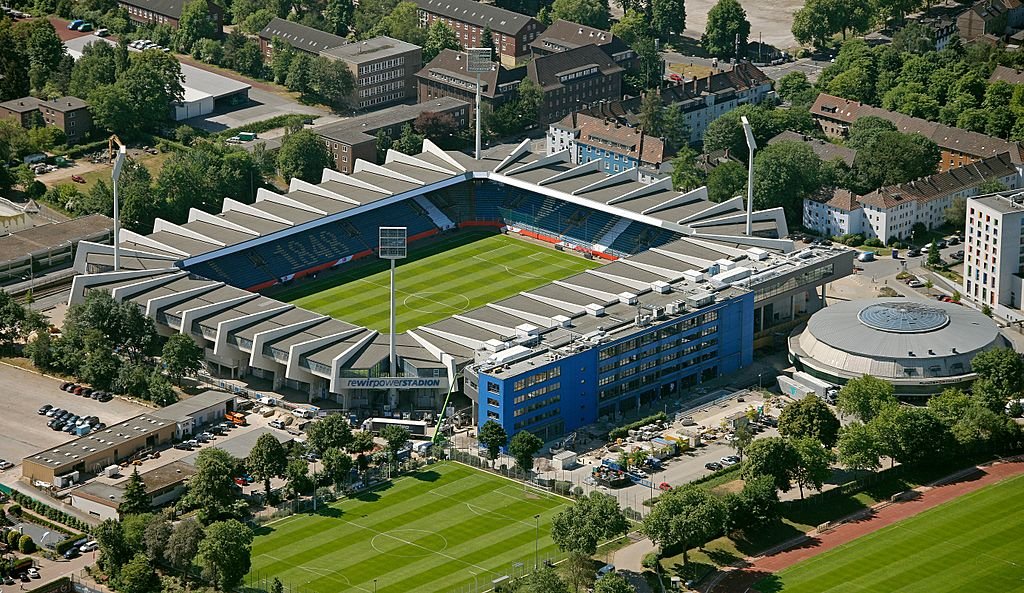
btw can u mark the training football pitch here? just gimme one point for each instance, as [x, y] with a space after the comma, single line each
[449, 275]
[429, 532]
[972, 543]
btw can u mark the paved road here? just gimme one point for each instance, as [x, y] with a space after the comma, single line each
[811, 68]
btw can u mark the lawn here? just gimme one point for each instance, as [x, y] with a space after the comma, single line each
[424, 533]
[449, 275]
[972, 543]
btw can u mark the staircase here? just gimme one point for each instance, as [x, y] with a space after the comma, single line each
[440, 220]
[602, 243]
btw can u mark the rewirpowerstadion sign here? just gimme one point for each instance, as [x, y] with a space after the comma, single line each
[394, 383]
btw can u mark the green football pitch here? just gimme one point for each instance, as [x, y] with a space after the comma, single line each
[447, 276]
[970, 544]
[446, 528]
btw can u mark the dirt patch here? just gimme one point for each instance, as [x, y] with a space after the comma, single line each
[728, 488]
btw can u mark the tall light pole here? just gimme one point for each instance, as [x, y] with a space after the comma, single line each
[478, 61]
[536, 543]
[751, 145]
[392, 246]
[118, 163]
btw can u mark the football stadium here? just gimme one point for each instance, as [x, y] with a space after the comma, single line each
[545, 295]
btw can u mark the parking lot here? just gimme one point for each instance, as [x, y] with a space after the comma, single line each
[25, 431]
[684, 468]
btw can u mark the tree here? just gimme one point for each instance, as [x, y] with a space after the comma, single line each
[196, 23]
[865, 397]
[439, 38]
[956, 213]
[858, 447]
[523, 447]
[809, 417]
[545, 580]
[589, 13]
[409, 142]
[224, 553]
[13, 65]
[370, 14]
[651, 113]
[183, 545]
[402, 23]
[267, 459]
[438, 127]
[338, 16]
[772, 456]
[813, 466]
[685, 517]
[796, 89]
[819, 20]
[486, 40]
[114, 552]
[155, 538]
[181, 356]
[95, 68]
[632, 27]
[1003, 367]
[331, 81]
[755, 506]
[42, 47]
[493, 437]
[891, 158]
[934, 257]
[395, 438]
[159, 390]
[912, 436]
[727, 30]
[141, 98]
[785, 173]
[134, 500]
[303, 155]
[296, 472]
[137, 576]
[329, 432]
[741, 439]
[726, 181]
[362, 442]
[613, 583]
[650, 67]
[337, 465]
[686, 176]
[211, 488]
[582, 526]
[668, 18]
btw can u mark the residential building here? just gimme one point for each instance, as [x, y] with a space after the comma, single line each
[70, 114]
[356, 138]
[959, 147]
[512, 32]
[618, 147]
[989, 17]
[826, 151]
[167, 12]
[993, 256]
[384, 70]
[585, 75]
[704, 100]
[893, 211]
[302, 38]
[1006, 74]
[446, 76]
[564, 35]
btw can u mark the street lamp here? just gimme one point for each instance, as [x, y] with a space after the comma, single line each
[374, 585]
[536, 542]
[751, 145]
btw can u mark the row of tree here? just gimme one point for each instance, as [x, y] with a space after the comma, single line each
[113, 346]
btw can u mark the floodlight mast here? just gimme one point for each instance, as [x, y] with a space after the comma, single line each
[751, 146]
[392, 246]
[478, 60]
[122, 152]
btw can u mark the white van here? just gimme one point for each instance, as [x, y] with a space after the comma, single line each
[303, 413]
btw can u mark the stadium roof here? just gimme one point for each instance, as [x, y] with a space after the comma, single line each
[713, 256]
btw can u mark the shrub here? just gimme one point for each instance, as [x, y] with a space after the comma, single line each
[1016, 410]
[874, 242]
[14, 509]
[12, 539]
[623, 431]
[562, 487]
[650, 560]
[26, 545]
[577, 491]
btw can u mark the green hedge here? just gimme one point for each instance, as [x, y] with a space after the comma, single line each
[279, 121]
[725, 471]
[51, 513]
[69, 543]
[623, 431]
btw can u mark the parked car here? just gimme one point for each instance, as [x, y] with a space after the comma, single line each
[915, 283]
[102, 32]
[4, 464]
[183, 446]
[78, 179]
[240, 482]
[276, 424]
[203, 438]
[106, 397]
[87, 392]
[954, 240]
[959, 254]
[33, 572]
[664, 486]
[75, 24]
[88, 546]
[64, 386]
[730, 460]
[913, 252]
[46, 408]
[713, 466]
[71, 553]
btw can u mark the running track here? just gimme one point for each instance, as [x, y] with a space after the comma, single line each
[739, 579]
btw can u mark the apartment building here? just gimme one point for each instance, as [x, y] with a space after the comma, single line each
[70, 114]
[446, 76]
[573, 79]
[618, 147]
[167, 12]
[356, 138]
[989, 17]
[893, 211]
[959, 147]
[564, 35]
[994, 253]
[384, 70]
[512, 32]
[302, 38]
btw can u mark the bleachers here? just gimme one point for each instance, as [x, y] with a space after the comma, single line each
[487, 201]
[591, 225]
[456, 202]
[639, 236]
[236, 269]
